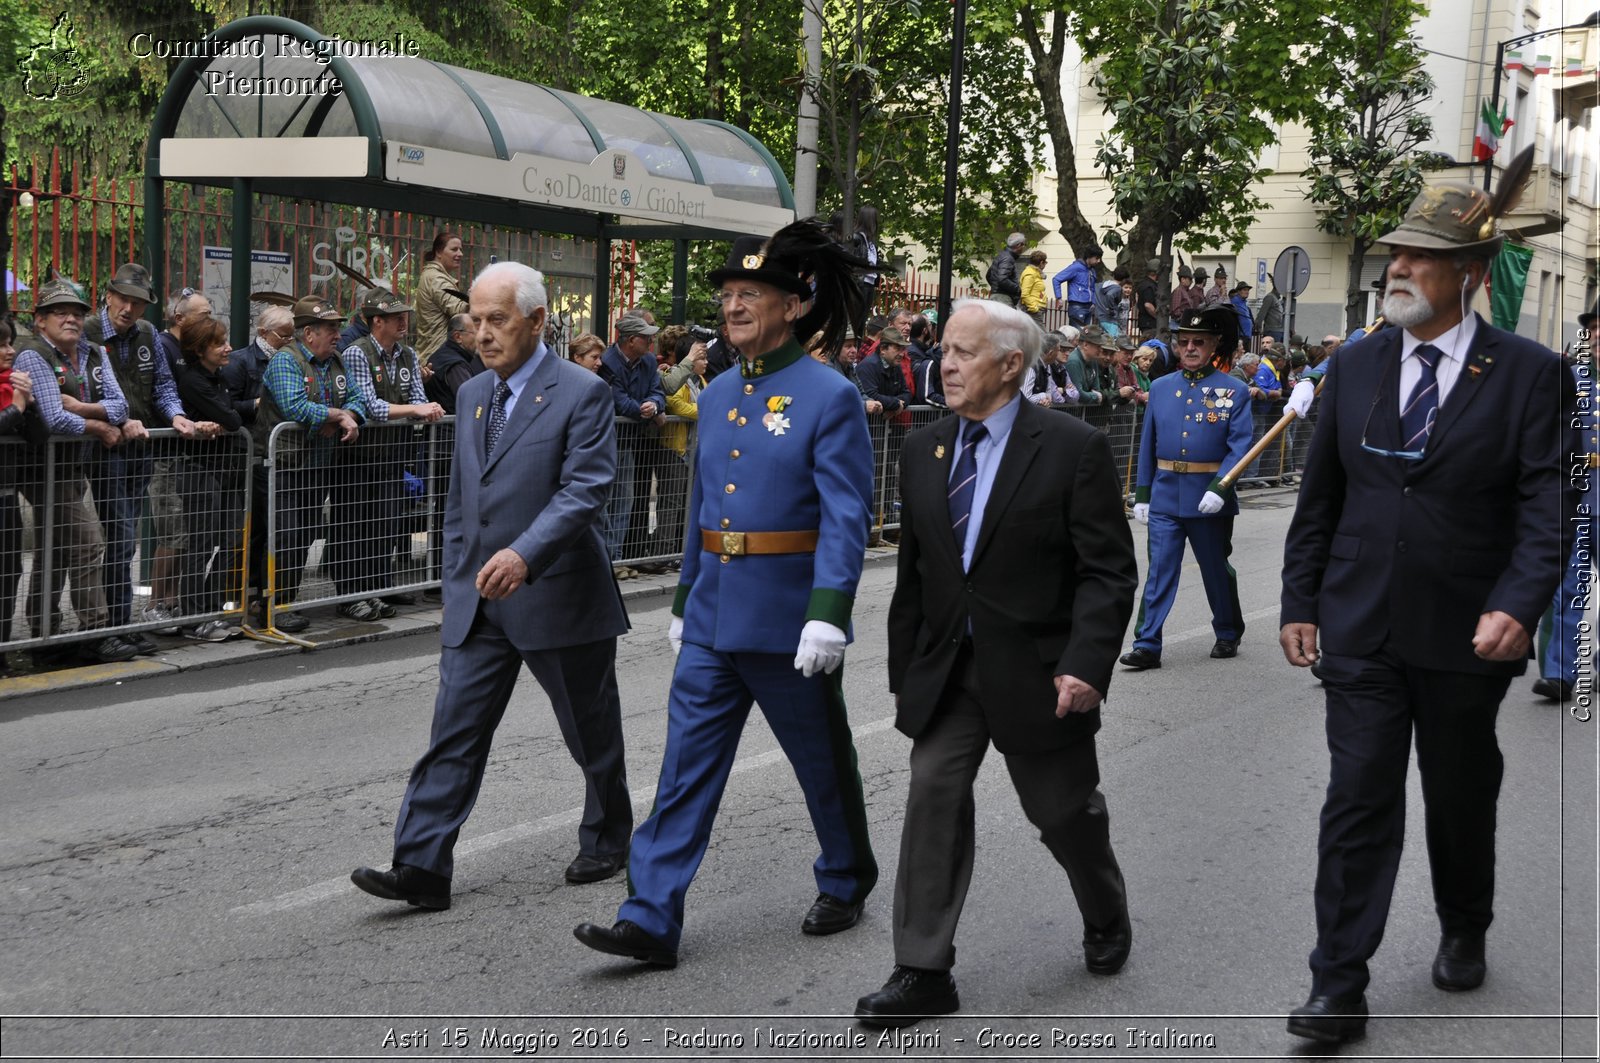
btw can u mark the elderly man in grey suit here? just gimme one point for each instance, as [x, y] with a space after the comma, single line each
[526, 580]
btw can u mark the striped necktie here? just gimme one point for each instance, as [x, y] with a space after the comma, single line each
[1420, 410]
[497, 418]
[964, 481]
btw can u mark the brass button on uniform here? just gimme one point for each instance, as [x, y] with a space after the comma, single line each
[732, 414]
[726, 522]
[729, 489]
[724, 559]
[735, 454]
[742, 421]
[749, 389]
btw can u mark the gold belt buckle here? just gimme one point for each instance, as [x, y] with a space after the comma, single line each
[733, 543]
[1180, 466]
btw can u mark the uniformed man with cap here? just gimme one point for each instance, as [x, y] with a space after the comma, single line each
[306, 383]
[1188, 295]
[777, 531]
[121, 476]
[86, 401]
[1196, 426]
[371, 500]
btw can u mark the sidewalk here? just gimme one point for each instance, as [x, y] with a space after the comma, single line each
[328, 630]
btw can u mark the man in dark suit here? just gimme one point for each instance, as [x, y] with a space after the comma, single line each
[526, 581]
[1429, 535]
[1015, 583]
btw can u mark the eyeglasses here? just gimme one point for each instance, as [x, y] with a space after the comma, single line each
[1189, 341]
[66, 311]
[743, 295]
[1403, 455]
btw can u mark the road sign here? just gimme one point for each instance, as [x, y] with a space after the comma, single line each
[1292, 272]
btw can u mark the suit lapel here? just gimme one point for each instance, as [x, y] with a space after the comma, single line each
[1021, 448]
[530, 404]
[1472, 379]
[936, 488]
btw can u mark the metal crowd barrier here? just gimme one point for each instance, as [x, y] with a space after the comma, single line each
[142, 537]
[351, 522]
[647, 516]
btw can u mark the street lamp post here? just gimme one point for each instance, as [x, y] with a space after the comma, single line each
[958, 44]
[1499, 71]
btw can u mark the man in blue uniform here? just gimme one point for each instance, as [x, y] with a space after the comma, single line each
[1196, 427]
[778, 525]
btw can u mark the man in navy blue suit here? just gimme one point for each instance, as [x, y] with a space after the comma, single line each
[1429, 536]
[527, 581]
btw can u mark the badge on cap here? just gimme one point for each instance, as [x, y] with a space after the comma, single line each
[754, 261]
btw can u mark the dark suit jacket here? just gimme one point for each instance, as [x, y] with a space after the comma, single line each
[540, 494]
[886, 384]
[1050, 589]
[1415, 551]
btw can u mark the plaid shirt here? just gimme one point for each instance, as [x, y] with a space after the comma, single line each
[355, 363]
[293, 392]
[47, 395]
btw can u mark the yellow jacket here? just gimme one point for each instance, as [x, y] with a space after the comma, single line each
[684, 403]
[435, 308]
[1032, 289]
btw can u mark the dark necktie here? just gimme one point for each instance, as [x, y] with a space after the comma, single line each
[497, 418]
[964, 482]
[1420, 410]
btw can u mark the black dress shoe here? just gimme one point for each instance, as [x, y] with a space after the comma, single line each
[595, 868]
[1554, 689]
[1225, 648]
[1459, 963]
[626, 939]
[1140, 659]
[424, 889]
[829, 915]
[910, 995]
[1331, 1020]
[1105, 953]
[293, 623]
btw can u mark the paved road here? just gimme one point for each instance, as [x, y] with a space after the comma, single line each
[180, 846]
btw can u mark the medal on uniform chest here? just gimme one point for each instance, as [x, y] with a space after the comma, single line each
[1211, 418]
[774, 419]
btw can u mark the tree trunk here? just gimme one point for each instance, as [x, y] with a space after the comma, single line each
[715, 107]
[1046, 72]
[1354, 296]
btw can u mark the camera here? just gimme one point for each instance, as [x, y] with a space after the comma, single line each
[701, 333]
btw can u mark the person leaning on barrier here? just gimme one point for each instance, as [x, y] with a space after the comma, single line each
[1047, 383]
[77, 395]
[306, 384]
[683, 405]
[586, 350]
[776, 540]
[21, 458]
[121, 476]
[1084, 367]
[527, 583]
[1196, 427]
[211, 479]
[243, 377]
[369, 507]
[641, 410]
[453, 364]
[436, 306]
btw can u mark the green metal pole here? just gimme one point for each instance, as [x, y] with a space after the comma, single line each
[239, 283]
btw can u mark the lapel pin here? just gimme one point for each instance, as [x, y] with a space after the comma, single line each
[938, 451]
[479, 415]
[1473, 370]
[538, 398]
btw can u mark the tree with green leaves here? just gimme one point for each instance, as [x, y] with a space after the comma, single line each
[1366, 166]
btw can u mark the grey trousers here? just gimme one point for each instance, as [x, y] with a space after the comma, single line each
[1059, 792]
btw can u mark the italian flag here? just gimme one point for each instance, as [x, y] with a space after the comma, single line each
[1513, 62]
[1541, 64]
[1486, 141]
[1574, 68]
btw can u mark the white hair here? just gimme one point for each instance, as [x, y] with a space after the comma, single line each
[529, 284]
[1249, 358]
[273, 317]
[1009, 330]
[1070, 333]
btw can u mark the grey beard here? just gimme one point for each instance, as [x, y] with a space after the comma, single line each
[1406, 311]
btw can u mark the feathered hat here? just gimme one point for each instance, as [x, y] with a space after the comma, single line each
[803, 259]
[1455, 216]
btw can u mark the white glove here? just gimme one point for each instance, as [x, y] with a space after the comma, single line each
[675, 634]
[1300, 398]
[821, 648]
[1141, 512]
[1211, 503]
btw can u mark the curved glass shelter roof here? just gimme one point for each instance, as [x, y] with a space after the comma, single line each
[274, 102]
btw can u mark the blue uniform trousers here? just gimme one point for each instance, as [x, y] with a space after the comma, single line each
[475, 683]
[1212, 539]
[709, 703]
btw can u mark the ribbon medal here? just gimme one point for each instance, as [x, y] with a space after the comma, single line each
[774, 419]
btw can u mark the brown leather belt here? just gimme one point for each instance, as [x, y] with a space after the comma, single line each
[737, 544]
[1189, 466]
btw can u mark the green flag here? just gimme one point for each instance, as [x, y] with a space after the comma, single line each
[1508, 279]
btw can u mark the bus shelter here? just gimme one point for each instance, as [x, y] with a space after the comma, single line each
[272, 107]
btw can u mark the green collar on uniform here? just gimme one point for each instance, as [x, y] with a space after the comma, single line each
[767, 364]
[1198, 374]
